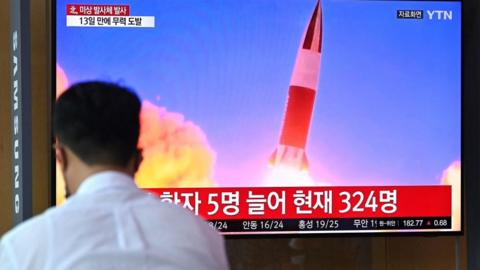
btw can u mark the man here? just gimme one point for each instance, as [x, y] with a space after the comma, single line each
[107, 223]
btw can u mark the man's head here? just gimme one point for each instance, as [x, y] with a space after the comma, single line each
[97, 126]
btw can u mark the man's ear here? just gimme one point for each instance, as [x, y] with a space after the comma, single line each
[61, 155]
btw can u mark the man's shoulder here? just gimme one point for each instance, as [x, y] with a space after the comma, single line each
[180, 228]
[27, 244]
[172, 212]
[174, 216]
[29, 230]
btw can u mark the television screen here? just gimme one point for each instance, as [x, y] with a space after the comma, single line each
[284, 117]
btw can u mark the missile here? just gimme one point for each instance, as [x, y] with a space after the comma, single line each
[301, 97]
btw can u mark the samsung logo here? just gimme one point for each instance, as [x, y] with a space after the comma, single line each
[16, 130]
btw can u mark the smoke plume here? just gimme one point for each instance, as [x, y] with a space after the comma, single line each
[176, 152]
[452, 176]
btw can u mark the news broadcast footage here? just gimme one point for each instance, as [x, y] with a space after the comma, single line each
[285, 117]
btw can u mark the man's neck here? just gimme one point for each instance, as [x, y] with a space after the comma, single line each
[89, 171]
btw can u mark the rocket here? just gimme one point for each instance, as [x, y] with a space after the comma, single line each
[301, 97]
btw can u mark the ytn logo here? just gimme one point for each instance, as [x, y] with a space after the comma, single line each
[440, 15]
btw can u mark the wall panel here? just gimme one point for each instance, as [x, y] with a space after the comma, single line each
[5, 129]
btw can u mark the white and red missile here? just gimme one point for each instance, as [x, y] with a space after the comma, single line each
[301, 97]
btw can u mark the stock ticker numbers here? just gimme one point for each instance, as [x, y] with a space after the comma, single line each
[328, 225]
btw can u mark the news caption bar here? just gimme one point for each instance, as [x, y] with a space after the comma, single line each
[105, 16]
[321, 209]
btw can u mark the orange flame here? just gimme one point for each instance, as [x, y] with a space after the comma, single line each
[176, 152]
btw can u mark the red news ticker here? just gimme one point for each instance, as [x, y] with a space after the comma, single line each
[311, 202]
[98, 10]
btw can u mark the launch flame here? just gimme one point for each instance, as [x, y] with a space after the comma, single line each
[283, 175]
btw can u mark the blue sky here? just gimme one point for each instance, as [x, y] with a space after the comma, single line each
[387, 109]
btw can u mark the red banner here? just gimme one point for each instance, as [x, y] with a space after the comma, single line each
[311, 202]
[98, 10]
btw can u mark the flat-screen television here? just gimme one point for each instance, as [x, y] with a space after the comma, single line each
[292, 117]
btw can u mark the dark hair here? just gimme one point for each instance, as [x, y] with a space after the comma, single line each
[99, 122]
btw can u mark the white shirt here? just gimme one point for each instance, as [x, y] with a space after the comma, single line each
[110, 224]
